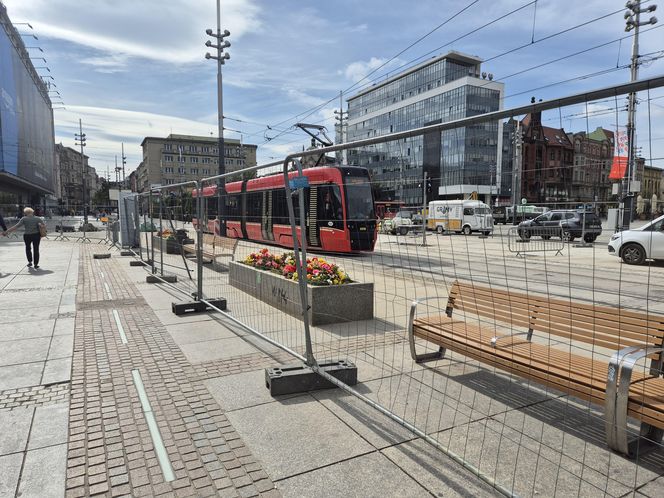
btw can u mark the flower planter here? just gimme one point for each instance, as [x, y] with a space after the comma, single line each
[172, 245]
[328, 303]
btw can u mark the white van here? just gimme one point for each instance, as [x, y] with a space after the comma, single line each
[460, 216]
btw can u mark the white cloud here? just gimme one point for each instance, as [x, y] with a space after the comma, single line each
[172, 31]
[355, 71]
[107, 128]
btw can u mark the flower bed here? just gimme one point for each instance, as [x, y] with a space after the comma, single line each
[332, 296]
[319, 271]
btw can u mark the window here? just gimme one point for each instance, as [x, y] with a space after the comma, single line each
[182, 159]
[556, 217]
[468, 212]
[193, 159]
[168, 170]
[205, 149]
[193, 171]
[193, 148]
[168, 159]
[181, 171]
[205, 160]
[206, 171]
[168, 147]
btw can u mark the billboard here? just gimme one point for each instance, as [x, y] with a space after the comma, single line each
[26, 119]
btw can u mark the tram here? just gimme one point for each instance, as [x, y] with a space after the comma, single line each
[339, 210]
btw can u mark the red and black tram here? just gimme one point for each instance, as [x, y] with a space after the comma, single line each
[339, 210]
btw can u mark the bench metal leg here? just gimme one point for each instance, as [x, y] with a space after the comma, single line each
[421, 358]
[617, 401]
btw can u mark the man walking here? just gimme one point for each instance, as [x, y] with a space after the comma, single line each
[2, 223]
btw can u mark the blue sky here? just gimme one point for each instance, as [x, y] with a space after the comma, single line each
[130, 69]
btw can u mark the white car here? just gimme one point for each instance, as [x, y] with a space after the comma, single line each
[635, 246]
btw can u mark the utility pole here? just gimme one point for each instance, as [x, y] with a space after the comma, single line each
[221, 60]
[80, 140]
[425, 187]
[633, 22]
[516, 170]
[340, 117]
[124, 162]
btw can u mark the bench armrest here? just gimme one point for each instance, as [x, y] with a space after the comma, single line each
[617, 392]
[411, 335]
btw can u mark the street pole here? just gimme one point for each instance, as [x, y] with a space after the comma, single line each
[340, 117]
[516, 170]
[80, 138]
[424, 210]
[633, 18]
[124, 162]
[221, 58]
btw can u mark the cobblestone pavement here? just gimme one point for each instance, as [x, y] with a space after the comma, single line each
[111, 451]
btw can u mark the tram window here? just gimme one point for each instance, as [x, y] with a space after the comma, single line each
[210, 206]
[233, 207]
[279, 207]
[329, 203]
[254, 206]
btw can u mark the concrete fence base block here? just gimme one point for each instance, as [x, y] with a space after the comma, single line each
[104, 255]
[138, 263]
[159, 279]
[126, 253]
[197, 306]
[291, 379]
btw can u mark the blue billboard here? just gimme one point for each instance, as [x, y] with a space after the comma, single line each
[27, 148]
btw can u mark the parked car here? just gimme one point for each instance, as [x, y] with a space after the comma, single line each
[403, 222]
[574, 224]
[499, 215]
[635, 246]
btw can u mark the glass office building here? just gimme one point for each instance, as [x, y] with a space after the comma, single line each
[27, 148]
[458, 161]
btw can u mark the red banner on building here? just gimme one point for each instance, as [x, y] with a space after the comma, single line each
[619, 166]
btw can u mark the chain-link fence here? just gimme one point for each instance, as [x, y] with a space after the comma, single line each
[539, 370]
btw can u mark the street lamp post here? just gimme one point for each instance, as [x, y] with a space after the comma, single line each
[221, 59]
[80, 140]
[633, 22]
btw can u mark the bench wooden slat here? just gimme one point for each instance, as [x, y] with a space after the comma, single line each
[646, 398]
[564, 319]
[626, 316]
[566, 367]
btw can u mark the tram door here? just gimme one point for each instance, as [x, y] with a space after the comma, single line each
[267, 218]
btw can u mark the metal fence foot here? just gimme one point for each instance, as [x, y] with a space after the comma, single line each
[291, 379]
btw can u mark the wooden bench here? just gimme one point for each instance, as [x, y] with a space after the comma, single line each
[475, 315]
[213, 247]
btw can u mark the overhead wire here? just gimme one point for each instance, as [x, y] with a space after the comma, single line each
[314, 109]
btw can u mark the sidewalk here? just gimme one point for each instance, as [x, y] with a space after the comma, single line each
[216, 429]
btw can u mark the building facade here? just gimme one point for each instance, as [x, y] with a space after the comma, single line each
[27, 148]
[73, 181]
[458, 162]
[547, 163]
[182, 158]
[593, 156]
[652, 183]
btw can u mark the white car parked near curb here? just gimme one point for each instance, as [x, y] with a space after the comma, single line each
[635, 246]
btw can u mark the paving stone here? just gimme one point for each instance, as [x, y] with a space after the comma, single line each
[43, 473]
[10, 469]
[297, 428]
[14, 429]
[49, 426]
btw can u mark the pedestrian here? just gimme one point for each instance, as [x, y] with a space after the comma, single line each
[2, 223]
[32, 236]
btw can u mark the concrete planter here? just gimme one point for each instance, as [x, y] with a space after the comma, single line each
[172, 246]
[328, 304]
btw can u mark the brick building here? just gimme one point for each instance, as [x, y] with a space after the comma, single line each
[547, 165]
[593, 155]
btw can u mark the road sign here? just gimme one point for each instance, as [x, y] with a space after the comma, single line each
[298, 182]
